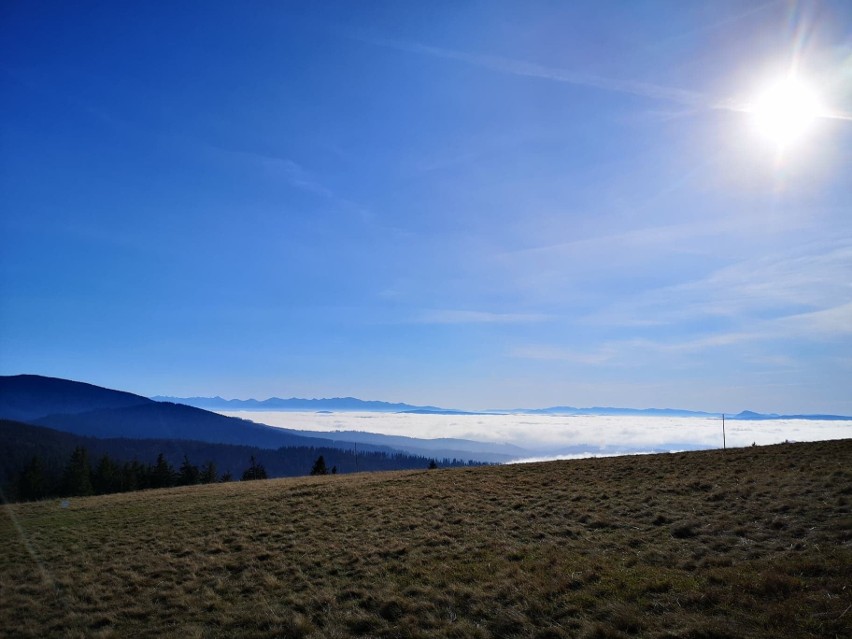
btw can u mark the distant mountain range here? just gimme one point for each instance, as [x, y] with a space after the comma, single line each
[352, 404]
[749, 415]
[91, 411]
[46, 419]
[614, 411]
[295, 404]
[86, 410]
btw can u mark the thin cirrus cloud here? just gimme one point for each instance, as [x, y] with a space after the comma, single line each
[628, 352]
[827, 324]
[830, 322]
[522, 68]
[694, 100]
[449, 316]
[603, 355]
[683, 236]
[644, 247]
[284, 169]
[811, 278]
[289, 172]
[630, 240]
[815, 277]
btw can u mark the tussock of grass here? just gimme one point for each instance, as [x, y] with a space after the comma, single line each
[746, 543]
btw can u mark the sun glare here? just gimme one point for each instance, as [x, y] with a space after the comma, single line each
[785, 112]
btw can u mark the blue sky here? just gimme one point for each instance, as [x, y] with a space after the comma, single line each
[469, 204]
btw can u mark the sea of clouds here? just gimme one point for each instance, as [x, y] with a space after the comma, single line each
[548, 436]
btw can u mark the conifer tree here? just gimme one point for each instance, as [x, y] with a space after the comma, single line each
[33, 482]
[188, 475]
[319, 467]
[107, 477]
[208, 473]
[162, 474]
[255, 471]
[77, 479]
[134, 476]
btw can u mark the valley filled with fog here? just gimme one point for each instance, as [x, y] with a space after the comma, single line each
[550, 436]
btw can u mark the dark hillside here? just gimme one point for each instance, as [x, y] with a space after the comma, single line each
[92, 411]
[28, 397]
[749, 543]
[19, 443]
[437, 447]
[161, 420]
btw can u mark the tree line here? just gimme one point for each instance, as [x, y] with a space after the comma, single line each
[81, 477]
[35, 462]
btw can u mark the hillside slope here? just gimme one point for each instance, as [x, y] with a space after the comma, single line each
[28, 397]
[439, 447]
[749, 542]
[159, 420]
[92, 411]
[20, 443]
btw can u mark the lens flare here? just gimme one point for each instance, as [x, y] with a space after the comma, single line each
[785, 112]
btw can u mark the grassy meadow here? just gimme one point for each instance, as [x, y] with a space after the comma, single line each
[753, 542]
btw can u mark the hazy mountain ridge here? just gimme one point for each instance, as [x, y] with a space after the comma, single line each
[614, 411]
[161, 420]
[442, 447]
[104, 413]
[749, 415]
[28, 397]
[352, 404]
[295, 404]
[92, 411]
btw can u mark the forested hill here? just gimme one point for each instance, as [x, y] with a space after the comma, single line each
[92, 411]
[158, 420]
[29, 397]
[21, 443]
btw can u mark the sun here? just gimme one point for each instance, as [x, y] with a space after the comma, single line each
[785, 112]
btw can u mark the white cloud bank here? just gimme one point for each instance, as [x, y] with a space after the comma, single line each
[545, 435]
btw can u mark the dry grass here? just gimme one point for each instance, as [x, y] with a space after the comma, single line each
[748, 543]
